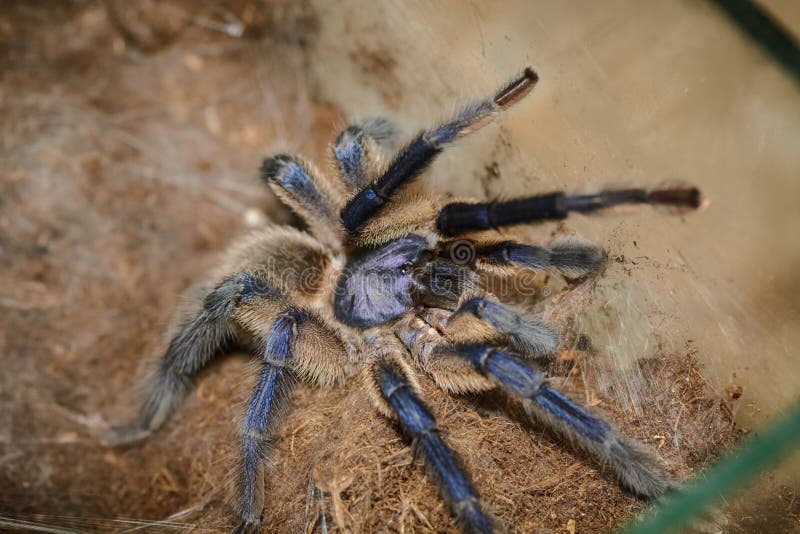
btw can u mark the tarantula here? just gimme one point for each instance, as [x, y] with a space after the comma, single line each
[377, 290]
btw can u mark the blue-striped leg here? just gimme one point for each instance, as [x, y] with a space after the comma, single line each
[418, 422]
[266, 406]
[634, 464]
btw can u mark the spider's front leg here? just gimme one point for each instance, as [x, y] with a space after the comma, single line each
[477, 319]
[458, 218]
[572, 256]
[493, 322]
[453, 348]
[412, 160]
[634, 464]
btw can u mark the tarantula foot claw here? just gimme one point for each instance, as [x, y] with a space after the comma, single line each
[122, 435]
[247, 526]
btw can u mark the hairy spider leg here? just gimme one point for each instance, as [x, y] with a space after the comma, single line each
[357, 150]
[419, 423]
[300, 187]
[420, 152]
[484, 319]
[267, 403]
[194, 345]
[635, 465]
[450, 373]
[460, 217]
[572, 256]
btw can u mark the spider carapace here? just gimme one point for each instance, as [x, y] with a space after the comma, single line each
[388, 282]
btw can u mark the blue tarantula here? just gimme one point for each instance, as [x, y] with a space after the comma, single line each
[375, 291]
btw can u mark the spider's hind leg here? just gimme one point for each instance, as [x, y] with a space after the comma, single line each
[295, 343]
[199, 337]
[394, 392]
[267, 404]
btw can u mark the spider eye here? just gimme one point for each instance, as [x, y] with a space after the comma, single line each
[407, 267]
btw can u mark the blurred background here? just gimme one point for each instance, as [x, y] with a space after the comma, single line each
[130, 137]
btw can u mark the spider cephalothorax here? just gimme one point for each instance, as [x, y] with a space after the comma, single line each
[380, 289]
